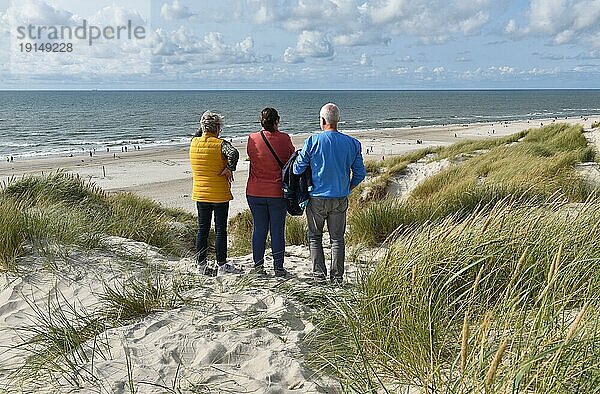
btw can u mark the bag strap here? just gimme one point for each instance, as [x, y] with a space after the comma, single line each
[271, 149]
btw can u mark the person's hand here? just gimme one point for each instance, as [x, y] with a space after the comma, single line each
[228, 174]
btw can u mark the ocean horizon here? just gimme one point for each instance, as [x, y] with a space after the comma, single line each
[50, 122]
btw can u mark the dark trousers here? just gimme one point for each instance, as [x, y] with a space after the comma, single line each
[205, 213]
[268, 215]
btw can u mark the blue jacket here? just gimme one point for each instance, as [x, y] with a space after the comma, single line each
[332, 156]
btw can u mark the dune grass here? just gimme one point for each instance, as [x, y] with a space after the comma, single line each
[373, 167]
[63, 209]
[596, 125]
[537, 167]
[137, 298]
[504, 299]
[240, 232]
[382, 172]
[470, 146]
[490, 283]
[59, 342]
[296, 230]
[13, 230]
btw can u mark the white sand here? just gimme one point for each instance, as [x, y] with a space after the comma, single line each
[237, 334]
[591, 171]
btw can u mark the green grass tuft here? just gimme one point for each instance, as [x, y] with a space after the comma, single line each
[14, 233]
[56, 188]
[296, 230]
[138, 298]
[240, 233]
[61, 208]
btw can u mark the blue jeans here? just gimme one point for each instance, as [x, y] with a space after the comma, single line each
[268, 214]
[205, 213]
[332, 211]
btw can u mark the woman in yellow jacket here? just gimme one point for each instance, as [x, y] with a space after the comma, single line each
[213, 161]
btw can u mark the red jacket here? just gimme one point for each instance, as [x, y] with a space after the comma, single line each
[265, 173]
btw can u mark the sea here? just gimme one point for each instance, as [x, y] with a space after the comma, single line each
[42, 123]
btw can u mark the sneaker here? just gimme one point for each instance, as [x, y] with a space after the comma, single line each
[337, 282]
[227, 268]
[259, 270]
[282, 273]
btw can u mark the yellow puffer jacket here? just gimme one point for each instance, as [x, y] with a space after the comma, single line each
[207, 164]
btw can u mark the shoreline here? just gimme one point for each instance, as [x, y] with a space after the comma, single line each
[163, 173]
[155, 146]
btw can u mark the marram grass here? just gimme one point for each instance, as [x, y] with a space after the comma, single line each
[535, 165]
[61, 208]
[503, 300]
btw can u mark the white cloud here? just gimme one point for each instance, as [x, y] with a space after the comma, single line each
[535, 71]
[183, 46]
[117, 16]
[498, 73]
[37, 12]
[175, 11]
[291, 56]
[367, 22]
[506, 70]
[564, 21]
[511, 27]
[4, 26]
[298, 15]
[360, 38]
[431, 21]
[312, 44]
[116, 56]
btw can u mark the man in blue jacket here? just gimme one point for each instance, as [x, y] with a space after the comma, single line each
[337, 168]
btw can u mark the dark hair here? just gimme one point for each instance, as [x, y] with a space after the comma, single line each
[268, 118]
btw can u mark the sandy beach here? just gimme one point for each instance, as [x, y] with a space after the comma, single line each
[164, 174]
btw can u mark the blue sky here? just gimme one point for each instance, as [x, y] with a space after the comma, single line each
[309, 44]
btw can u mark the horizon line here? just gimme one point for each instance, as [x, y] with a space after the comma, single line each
[287, 90]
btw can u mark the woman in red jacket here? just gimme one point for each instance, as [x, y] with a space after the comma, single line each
[263, 190]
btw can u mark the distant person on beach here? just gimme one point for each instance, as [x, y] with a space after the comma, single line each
[337, 168]
[263, 190]
[213, 162]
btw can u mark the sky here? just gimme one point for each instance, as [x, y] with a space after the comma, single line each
[306, 44]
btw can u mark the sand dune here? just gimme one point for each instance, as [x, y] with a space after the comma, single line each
[234, 333]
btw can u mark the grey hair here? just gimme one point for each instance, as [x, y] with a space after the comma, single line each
[331, 113]
[211, 122]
